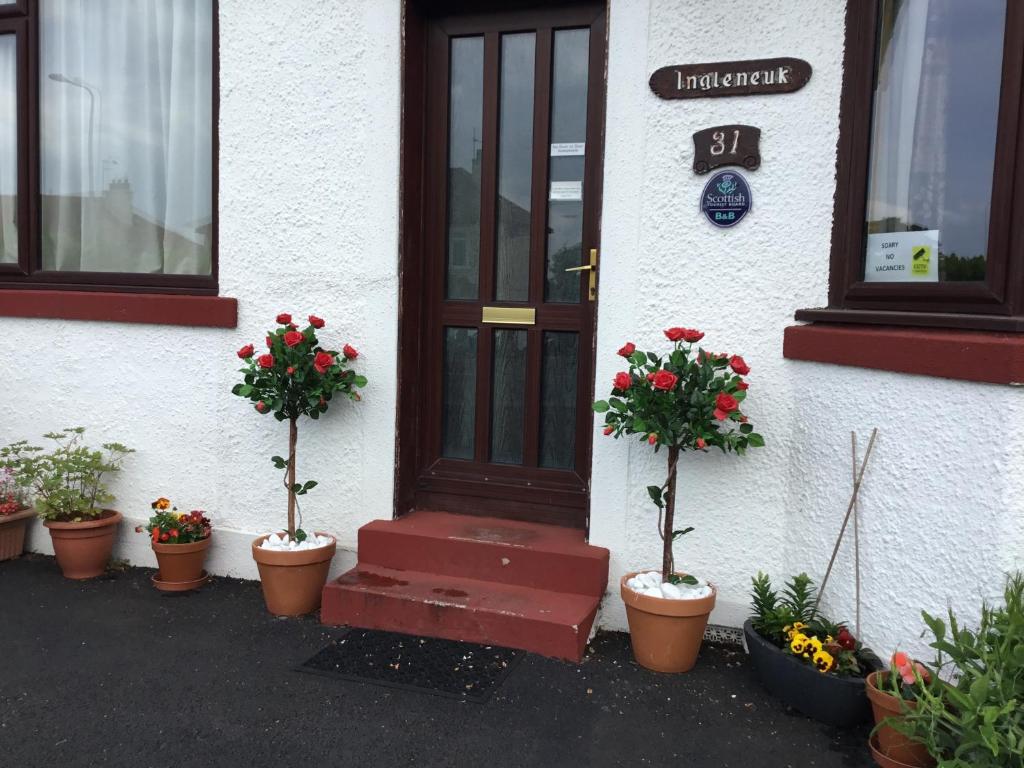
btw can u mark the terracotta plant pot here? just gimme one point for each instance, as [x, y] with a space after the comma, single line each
[666, 634]
[829, 699]
[891, 743]
[12, 533]
[885, 760]
[83, 549]
[180, 565]
[293, 581]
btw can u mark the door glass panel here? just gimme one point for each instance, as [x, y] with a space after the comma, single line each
[515, 167]
[508, 396]
[936, 107]
[568, 126]
[459, 408]
[465, 126]
[558, 400]
[8, 150]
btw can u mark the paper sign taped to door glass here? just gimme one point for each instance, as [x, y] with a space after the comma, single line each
[903, 257]
[566, 190]
[567, 148]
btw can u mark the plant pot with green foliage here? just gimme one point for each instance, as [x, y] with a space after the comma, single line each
[686, 400]
[295, 377]
[811, 663]
[893, 693]
[14, 515]
[67, 484]
[180, 541]
[970, 714]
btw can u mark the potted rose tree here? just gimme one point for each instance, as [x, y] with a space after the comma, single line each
[685, 400]
[179, 541]
[295, 377]
[70, 495]
[14, 514]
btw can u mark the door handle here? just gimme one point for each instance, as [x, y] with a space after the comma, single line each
[592, 269]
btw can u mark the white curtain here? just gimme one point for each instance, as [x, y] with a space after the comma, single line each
[8, 150]
[126, 121]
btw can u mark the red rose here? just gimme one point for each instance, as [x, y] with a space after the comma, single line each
[290, 370]
[609, 430]
[265, 361]
[174, 533]
[739, 365]
[627, 349]
[622, 380]
[316, 322]
[700, 442]
[261, 406]
[664, 380]
[650, 376]
[284, 318]
[270, 341]
[350, 352]
[743, 386]
[245, 351]
[652, 438]
[293, 338]
[164, 537]
[674, 334]
[692, 335]
[322, 361]
[724, 405]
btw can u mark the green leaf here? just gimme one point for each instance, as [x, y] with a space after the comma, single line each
[654, 491]
[279, 462]
[682, 532]
[600, 406]
[359, 381]
[677, 579]
[309, 485]
[617, 404]
[979, 690]
[237, 389]
[296, 487]
[746, 429]
[756, 441]
[245, 390]
[936, 625]
[639, 358]
[300, 535]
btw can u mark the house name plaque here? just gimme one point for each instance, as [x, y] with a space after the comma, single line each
[731, 78]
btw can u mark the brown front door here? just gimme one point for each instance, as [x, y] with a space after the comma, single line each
[512, 138]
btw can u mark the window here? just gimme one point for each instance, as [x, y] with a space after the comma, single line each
[107, 145]
[929, 212]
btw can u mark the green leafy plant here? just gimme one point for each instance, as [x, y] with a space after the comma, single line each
[169, 526]
[974, 716]
[688, 399]
[67, 482]
[791, 622]
[296, 377]
[13, 496]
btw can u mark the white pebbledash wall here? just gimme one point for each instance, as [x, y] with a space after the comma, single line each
[309, 141]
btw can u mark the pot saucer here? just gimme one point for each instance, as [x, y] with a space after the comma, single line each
[178, 586]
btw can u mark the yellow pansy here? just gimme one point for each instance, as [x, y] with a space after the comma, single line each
[798, 643]
[823, 661]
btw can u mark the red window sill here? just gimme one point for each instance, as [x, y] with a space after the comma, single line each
[158, 308]
[997, 358]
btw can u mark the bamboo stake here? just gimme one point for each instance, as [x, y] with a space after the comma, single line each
[849, 510]
[856, 539]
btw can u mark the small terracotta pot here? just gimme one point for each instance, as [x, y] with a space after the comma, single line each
[179, 563]
[891, 743]
[83, 549]
[12, 533]
[886, 761]
[666, 634]
[293, 581]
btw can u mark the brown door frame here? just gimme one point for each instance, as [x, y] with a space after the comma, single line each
[413, 424]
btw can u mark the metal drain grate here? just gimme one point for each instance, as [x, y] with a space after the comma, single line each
[442, 667]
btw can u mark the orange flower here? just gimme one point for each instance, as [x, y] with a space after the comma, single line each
[900, 659]
[161, 503]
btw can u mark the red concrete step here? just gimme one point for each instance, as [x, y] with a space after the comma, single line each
[488, 549]
[550, 623]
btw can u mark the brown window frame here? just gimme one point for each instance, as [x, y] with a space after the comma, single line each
[22, 19]
[997, 304]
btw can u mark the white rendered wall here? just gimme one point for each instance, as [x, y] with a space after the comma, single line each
[309, 140]
[941, 508]
[309, 147]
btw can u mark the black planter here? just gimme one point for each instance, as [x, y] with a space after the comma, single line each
[839, 701]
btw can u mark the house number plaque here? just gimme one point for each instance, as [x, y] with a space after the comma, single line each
[726, 145]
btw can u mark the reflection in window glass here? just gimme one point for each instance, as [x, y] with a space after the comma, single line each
[459, 399]
[559, 374]
[508, 398]
[568, 124]
[466, 94]
[126, 128]
[936, 106]
[8, 151]
[515, 164]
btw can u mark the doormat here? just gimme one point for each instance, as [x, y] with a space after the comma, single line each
[440, 667]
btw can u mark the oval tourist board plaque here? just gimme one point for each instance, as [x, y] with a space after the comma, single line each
[731, 78]
[726, 199]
